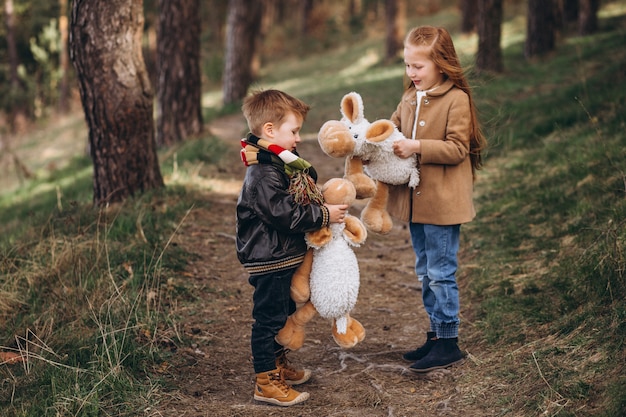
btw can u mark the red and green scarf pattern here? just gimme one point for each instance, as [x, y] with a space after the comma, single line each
[301, 173]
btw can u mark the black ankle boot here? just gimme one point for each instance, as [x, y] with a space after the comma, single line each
[423, 350]
[443, 354]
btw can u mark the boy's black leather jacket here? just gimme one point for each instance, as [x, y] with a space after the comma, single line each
[270, 224]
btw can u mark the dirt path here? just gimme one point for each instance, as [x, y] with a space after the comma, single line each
[212, 375]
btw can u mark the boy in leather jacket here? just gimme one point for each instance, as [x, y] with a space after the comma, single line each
[278, 204]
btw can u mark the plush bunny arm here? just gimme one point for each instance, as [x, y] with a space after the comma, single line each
[292, 334]
[364, 185]
[304, 314]
[300, 285]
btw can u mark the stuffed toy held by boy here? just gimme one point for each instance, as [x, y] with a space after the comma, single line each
[368, 148]
[328, 280]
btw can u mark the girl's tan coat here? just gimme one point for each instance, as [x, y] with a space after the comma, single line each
[444, 195]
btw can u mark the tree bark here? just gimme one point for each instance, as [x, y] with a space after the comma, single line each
[566, 16]
[64, 59]
[215, 23]
[489, 55]
[9, 22]
[540, 34]
[242, 26]
[105, 48]
[395, 13]
[306, 7]
[570, 11]
[588, 17]
[179, 94]
[17, 112]
[469, 15]
[355, 7]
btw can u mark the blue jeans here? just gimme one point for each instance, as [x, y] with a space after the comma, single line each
[272, 305]
[436, 249]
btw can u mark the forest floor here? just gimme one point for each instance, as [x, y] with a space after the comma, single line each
[213, 376]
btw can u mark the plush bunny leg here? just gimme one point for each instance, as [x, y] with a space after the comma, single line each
[375, 215]
[354, 333]
[365, 186]
[291, 336]
[356, 328]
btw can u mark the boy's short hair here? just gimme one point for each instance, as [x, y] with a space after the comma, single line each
[271, 106]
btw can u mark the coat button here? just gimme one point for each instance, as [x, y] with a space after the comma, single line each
[422, 123]
[426, 101]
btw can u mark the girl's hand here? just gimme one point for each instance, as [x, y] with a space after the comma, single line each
[336, 212]
[405, 148]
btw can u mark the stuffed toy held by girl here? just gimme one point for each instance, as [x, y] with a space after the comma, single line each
[338, 142]
[328, 280]
[368, 147]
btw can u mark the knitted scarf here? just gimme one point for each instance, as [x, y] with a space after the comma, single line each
[301, 173]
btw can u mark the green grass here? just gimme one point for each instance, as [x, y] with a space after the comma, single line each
[88, 284]
[546, 283]
[550, 236]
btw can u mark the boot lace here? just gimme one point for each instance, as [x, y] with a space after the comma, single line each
[278, 380]
[283, 362]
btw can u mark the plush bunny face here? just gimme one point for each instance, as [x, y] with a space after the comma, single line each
[340, 138]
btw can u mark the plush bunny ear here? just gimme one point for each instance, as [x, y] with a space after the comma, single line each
[352, 107]
[379, 130]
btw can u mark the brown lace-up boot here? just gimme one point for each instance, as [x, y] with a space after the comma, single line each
[292, 375]
[271, 388]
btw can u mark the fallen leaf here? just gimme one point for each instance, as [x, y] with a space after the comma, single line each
[10, 358]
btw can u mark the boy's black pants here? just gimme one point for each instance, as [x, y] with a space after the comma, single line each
[272, 305]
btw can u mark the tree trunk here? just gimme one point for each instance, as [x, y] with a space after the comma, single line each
[355, 7]
[17, 112]
[489, 55]
[570, 11]
[64, 59]
[540, 34]
[179, 101]
[105, 48]
[242, 26]
[9, 22]
[395, 13]
[215, 22]
[469, 15]
[306, 7]
[588, 17]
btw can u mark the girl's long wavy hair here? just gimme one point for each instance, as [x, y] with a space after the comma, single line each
[443, 54]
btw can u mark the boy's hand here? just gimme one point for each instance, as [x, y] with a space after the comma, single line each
[336, 212]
